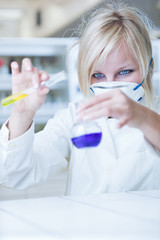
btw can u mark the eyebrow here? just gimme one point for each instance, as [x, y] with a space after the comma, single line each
[125, 67]
[117, 70]
[129, 66]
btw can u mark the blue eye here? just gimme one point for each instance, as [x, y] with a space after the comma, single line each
[98, 75]
[125, 72]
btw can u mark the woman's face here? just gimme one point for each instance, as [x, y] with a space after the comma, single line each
[119, 66]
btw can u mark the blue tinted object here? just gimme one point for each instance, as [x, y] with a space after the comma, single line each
[87, 140]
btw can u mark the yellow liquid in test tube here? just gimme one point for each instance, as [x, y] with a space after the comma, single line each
[13, 98]
[57, 77]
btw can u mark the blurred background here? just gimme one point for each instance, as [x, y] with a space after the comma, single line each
[56, 18]
[45, 31]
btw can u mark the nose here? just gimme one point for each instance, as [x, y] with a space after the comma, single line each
[110, 78]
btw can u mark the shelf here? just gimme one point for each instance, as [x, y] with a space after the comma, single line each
[5, 81]
[48, 54]
[6, 84]
[34, 46]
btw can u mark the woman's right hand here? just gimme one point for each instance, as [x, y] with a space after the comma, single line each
[24, 110]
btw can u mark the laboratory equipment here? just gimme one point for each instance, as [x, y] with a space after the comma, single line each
[55, 78]
[86, 134]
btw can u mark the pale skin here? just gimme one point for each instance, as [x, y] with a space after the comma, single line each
[24, 110]
[119, 66]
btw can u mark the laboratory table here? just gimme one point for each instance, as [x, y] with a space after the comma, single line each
[112, 216]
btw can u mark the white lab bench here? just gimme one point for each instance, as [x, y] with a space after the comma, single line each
[112, 216]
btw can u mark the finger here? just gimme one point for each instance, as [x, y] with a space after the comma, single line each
[102, 112]
[14, 68]
[43, 91]
[94, 108]
[122, 122]
[97, 114]
[44, 76]
[35, 77]
[108, 105]
[36, 80]
[26, 65]
[89, 103]
[94, 100]
[109, 109]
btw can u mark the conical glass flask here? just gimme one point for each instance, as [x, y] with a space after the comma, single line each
[86, 134]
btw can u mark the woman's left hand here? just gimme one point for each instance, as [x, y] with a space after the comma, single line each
[113, 104]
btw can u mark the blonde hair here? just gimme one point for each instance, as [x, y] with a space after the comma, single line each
[112, 25]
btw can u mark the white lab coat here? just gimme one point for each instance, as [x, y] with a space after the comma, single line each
[123, 161]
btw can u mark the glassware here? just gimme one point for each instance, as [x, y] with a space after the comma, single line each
[55, 78]
[86, 134]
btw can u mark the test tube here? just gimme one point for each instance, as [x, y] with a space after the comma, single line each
[60, 76]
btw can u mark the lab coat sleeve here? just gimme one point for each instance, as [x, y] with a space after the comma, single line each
[34, 158]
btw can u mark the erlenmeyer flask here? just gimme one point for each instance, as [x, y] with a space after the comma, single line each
[86, 134]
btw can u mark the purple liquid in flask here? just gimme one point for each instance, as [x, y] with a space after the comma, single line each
[86, 134]
[87, 140]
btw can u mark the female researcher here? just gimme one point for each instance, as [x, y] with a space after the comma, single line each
[114, 47]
